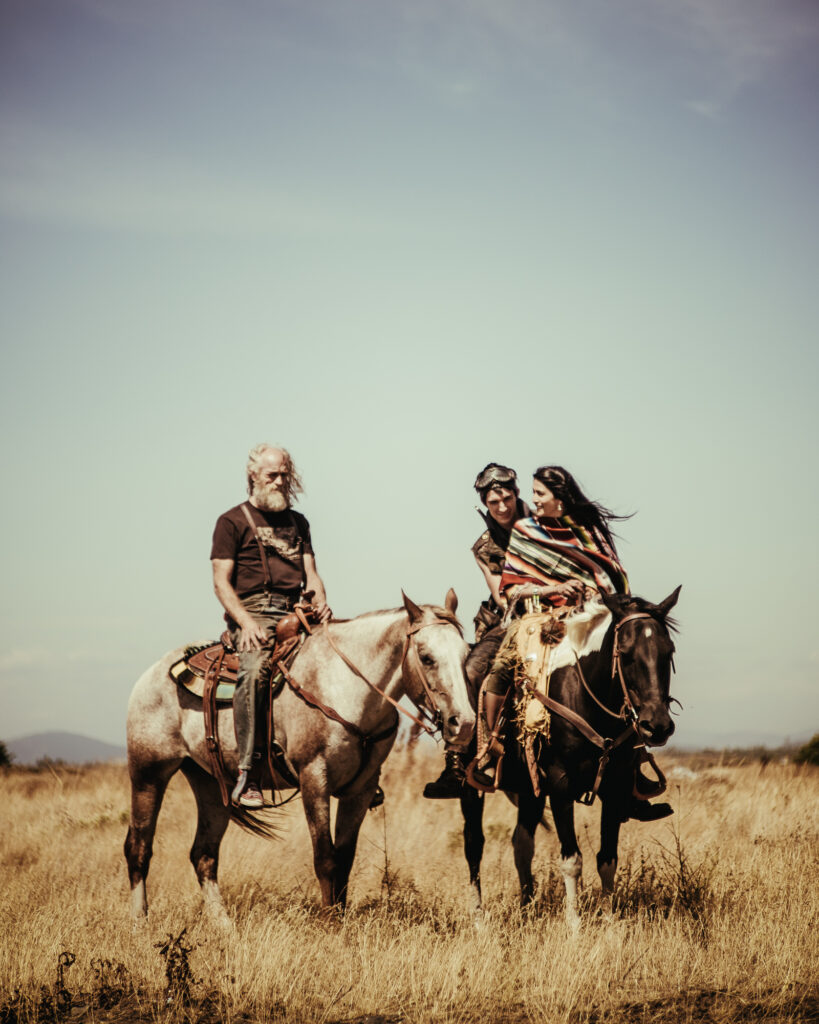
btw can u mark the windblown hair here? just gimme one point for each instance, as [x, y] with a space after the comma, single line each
[292, 486]
[583, 510]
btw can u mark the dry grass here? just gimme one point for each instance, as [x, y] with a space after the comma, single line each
[715, 916]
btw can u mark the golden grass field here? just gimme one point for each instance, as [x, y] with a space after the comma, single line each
[716, 918]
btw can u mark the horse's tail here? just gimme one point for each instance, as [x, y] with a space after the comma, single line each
[257, 823]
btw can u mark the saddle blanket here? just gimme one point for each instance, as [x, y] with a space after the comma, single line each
[191, 668]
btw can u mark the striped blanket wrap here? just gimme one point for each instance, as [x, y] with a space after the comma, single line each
[552, 554]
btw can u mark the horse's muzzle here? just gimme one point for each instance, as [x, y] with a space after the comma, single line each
[656, 729]
[457, 730]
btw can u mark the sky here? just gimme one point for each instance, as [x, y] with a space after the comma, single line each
[404, 239]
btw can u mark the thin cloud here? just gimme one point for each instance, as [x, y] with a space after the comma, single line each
[121, 191]
[24, 658]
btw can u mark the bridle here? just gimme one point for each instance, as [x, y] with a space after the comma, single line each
[431, 718]
[627, 713]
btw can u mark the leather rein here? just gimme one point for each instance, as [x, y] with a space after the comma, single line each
[431, 718]
[607, 745]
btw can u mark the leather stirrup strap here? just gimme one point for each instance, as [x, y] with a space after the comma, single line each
[211, 713]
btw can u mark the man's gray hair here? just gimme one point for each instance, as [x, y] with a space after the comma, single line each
[292, 483]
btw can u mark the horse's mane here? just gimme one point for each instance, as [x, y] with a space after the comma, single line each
[642, 605]
[441, 613]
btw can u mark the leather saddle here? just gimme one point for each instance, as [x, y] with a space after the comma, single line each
[199, 662]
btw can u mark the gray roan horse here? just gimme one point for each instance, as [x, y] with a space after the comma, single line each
[612, 673]
[415, 650]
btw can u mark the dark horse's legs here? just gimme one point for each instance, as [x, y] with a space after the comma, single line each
[472, 805]
[571, 860]
[148, 785]
[530, 815]
[610, 819]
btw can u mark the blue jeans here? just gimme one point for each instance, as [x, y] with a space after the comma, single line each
[266, 609]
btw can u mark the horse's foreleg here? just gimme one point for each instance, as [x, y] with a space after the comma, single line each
[530, 813]
[571, 860]
[472, 805]
[316, 799]
[350, 814]
[148, 786]
[610, 819]
[212, 820]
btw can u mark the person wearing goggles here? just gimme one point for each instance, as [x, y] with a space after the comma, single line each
[539, 564]
[497, 487]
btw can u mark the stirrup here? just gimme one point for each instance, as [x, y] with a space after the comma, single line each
[479, 778]
[239, 788]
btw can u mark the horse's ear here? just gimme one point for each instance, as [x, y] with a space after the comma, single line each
[664, 607]
[611, 601]
[451, 601]
[414, 612]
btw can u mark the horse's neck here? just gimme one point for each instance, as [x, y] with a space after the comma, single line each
[375, 644]
[595, 667]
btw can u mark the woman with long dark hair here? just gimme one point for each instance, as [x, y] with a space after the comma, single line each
[566, 548]
[562, 555]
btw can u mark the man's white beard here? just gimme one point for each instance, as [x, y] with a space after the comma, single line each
[269, 498]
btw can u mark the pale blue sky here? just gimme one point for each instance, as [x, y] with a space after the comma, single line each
[404, 239]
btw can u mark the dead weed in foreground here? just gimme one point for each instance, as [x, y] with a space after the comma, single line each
[713, 920]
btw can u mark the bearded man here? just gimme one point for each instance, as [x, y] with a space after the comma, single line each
[263, 561]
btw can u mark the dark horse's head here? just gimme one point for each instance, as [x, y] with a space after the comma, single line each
[644, 648]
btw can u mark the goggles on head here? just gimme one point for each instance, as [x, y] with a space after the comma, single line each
[498, 476]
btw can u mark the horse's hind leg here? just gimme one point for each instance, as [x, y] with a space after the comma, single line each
[472, 805]
[530, 814]
[213, 818]
[148, 785]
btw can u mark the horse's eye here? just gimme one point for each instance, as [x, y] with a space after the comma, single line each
[427, 660]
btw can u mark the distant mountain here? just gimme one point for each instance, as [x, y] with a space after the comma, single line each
[62, 746]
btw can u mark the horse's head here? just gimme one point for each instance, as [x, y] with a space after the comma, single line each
[435, 657]
[643, 652]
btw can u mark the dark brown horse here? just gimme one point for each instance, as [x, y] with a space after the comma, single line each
[624, 698]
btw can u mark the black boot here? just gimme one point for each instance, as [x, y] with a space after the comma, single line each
[450, 783]
[642, 810]
[644, 788]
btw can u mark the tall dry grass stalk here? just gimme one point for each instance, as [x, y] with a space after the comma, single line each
[715, 915]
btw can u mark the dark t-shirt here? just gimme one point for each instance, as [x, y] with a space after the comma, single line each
[286, 537]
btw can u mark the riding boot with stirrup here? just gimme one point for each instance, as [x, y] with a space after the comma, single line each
[639, 807]
[247, 792]
[484, 773]
[450, 783]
